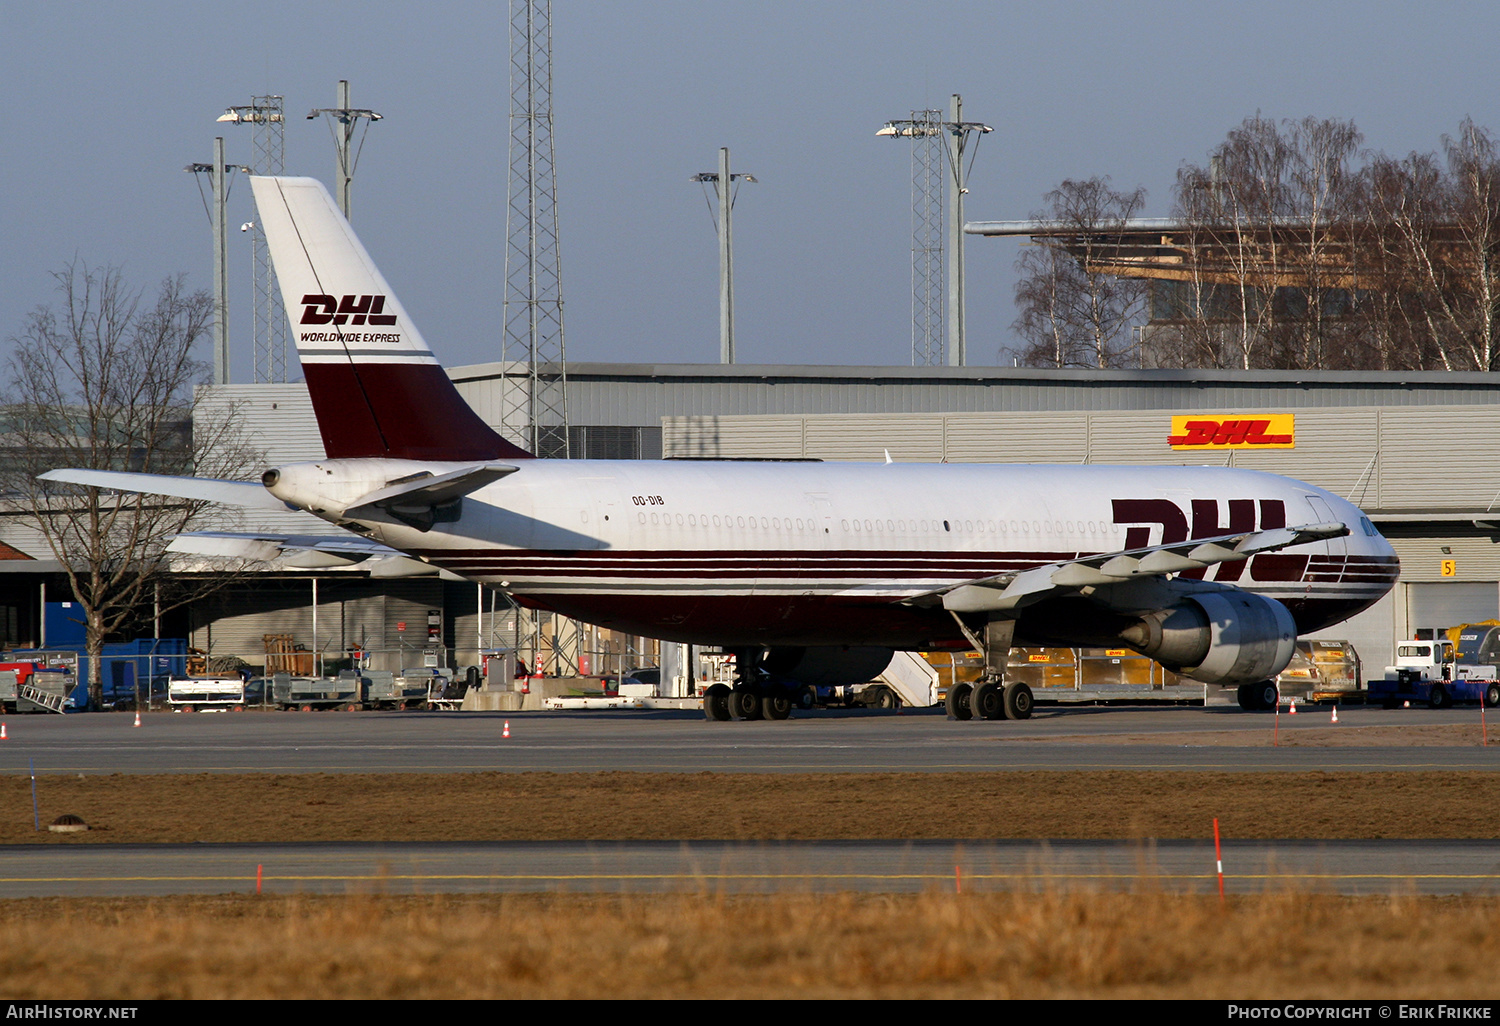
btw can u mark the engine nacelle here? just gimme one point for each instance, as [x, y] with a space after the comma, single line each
[1229, 637]
[827, 666]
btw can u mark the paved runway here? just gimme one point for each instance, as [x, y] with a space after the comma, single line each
[1335, 867]
[821, 741]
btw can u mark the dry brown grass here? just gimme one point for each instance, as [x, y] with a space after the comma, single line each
[752, 806]
[1145, 945]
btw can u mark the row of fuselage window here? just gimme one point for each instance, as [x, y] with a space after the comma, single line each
[800, 525]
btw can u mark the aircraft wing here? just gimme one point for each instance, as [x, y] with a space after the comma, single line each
[245, 494]
[1012, 591]
[306, 552]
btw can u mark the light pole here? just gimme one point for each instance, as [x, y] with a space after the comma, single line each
[218, 173]
[341, 121]
[722, 182]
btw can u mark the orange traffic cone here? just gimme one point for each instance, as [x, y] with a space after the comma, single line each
[506, 731]
[1293, 710]
[2, 732]
[137, 717]
[1335, 715]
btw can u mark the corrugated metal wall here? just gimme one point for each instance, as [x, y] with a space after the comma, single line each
[1414, 461]
[279, 427]
[641, 394]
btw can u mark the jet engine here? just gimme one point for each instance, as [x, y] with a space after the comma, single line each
[1228, 637]
[827, 665]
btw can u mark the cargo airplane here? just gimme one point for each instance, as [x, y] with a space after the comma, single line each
[802, 568]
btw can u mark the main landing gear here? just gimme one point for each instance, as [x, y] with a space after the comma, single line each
[1261, 697]
[991, 698]
[752, 697]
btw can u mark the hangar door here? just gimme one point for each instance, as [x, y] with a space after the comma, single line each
[1448, 605]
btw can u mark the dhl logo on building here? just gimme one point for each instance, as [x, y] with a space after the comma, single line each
[1237, 431]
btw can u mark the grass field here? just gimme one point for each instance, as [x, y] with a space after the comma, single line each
[1142, 945]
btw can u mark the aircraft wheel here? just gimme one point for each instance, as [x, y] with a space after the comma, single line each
[776, 707]
[745, 704]
[807, 697]
[1439, 698]
[1267, 695]
[1492, 695]
[716, 703]
[987, 701]
[957, 702]
[1017, 700]
[1246, 697]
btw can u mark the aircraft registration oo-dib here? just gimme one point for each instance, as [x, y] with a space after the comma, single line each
[1212, 571]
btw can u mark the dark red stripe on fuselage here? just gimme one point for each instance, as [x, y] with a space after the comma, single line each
[821, 620]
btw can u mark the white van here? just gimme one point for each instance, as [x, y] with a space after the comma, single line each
[188, 694]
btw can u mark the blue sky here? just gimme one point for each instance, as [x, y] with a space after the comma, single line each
[105, 103]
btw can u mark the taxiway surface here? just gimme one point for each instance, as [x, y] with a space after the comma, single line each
[1066, 738]
[1329, 867]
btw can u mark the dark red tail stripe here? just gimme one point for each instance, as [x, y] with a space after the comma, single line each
[405, 411]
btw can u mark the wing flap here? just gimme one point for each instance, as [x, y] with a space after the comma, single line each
[1005, 592]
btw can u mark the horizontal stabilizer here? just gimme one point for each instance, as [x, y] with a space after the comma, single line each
[305, 551]
[308, 552]
[244, 494]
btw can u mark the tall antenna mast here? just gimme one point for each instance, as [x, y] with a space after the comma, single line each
[938, 150]
[534, 407]
[268, 116]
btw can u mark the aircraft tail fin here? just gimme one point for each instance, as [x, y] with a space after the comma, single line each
[376, 388]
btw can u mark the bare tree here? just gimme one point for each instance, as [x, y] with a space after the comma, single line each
[1474, 173]
[106, 381]
[1290, 254]
[1076, 311]
[1405, 208]
[1322, 181]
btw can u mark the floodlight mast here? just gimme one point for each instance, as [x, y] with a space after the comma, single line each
[954, 133]
[266, 115]
[723, 183]
[341, 121]
[217, 174]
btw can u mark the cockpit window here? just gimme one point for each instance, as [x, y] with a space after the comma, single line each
[1370, 531]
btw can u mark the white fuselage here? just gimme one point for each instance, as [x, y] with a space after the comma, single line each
[694, 547]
